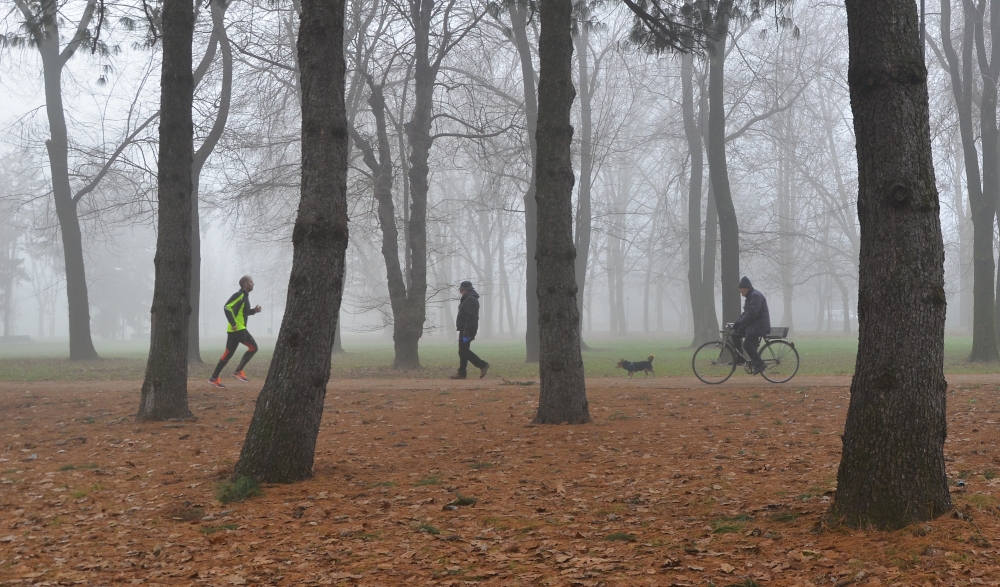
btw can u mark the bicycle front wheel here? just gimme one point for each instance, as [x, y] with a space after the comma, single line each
[782, 361]
[713, 362]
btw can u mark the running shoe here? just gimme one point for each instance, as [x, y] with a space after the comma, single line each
[241, 376]
[217, 382]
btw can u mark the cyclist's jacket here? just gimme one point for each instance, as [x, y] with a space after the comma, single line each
[237, 310]
[755, 320]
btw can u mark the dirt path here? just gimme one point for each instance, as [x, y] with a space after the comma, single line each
[674, 483]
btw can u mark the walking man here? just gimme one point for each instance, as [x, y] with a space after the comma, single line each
[237, 310]
[754, 323]
[467, 324]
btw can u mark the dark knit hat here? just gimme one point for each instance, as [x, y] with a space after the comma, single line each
[745, 283]
[465, 285]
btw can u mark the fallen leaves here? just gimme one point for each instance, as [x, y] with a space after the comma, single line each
[663, 496]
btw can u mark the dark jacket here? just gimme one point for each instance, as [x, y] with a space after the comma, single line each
[755, 320]
[467, 321]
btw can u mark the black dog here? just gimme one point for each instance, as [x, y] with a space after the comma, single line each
[634, 367]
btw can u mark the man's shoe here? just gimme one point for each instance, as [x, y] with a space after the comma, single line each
[457, 376]
[241, 376]
[759, 370]
[217, 382]
[482, 372]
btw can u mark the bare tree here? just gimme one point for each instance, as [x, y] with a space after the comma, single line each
[892, 471]
[164, 389]
[562, 396]
[281, 441]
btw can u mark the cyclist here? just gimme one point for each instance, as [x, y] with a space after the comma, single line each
[753, 324]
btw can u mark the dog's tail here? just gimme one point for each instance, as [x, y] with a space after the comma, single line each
[650, 358]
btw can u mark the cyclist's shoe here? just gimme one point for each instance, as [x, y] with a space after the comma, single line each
[241, 376]
[217, 382]
[760, 369]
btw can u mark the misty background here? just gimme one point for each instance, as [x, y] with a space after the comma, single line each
[790, 149]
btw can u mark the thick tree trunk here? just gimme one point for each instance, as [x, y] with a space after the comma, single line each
[892, 471]
[81, 345]
[718, 168]
[164, 390]
[583, 210]
[281, 441]
[563, 394]
[519, 21]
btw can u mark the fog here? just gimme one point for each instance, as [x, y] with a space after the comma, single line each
[789, 146]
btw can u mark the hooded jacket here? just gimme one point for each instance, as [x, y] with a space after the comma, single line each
[467, 321]
[755, 320]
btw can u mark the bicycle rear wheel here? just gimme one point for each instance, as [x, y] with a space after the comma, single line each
[713, 362]
[782, 361]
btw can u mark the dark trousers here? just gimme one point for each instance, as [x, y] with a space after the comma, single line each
[233, 340]
[466, 356]
[751, 345]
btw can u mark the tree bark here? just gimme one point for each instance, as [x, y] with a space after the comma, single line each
[892, 471]
[718, 169]
[519, 21]
[563, 393]
[164, 390]
[281, 441]
[583, 211]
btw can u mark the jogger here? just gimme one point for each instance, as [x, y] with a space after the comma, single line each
[237, 312]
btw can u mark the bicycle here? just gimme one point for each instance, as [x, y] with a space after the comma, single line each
[715, 362]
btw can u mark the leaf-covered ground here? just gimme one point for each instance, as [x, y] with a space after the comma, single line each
[437, 482]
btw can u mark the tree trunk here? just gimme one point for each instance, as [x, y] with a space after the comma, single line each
[218, 12]
[984, 338]
[892, 471]
[718, 170]
[711, 318]
[519, 21]
[408, 330]
[164, 390]
[281, 441]
[991, 178]
[379, 161]
[563, 394]
[583, 210]
[81, 345]
[703, 331]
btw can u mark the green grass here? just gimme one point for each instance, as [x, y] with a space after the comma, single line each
[826, 355]
[620, 537]
[214, 529]
[429, 480]
[238, 490]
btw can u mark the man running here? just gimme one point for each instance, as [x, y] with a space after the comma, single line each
[237, 312]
